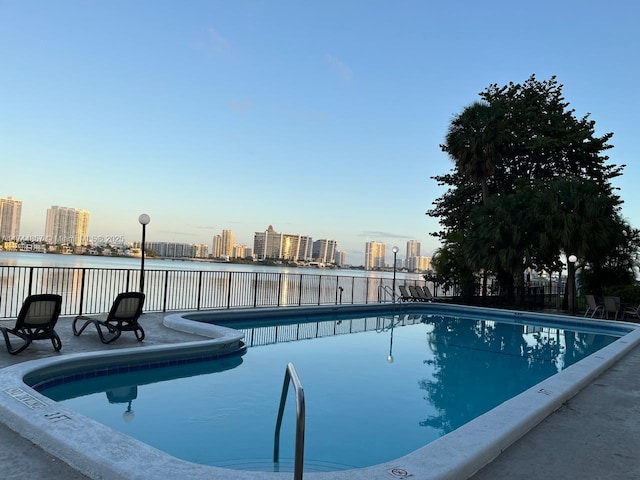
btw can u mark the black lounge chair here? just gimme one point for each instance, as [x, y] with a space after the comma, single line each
[123, 317]
[418, 294]
[428, 294]
[36, 321]
[405, 296]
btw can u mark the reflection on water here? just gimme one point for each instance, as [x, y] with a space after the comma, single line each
[124, 395]
[445, 372]
[472, 357]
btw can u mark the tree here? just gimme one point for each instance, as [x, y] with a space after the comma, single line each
[473, 140]
[530, 183]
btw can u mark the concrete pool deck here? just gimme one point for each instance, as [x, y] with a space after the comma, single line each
[594, 435]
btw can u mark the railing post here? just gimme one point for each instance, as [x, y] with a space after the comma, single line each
[300, 292]
[279, 287]
[229, 290]
[353, 288]
[166, 289]
[319, 288]
[30, 279]
[366, 291]
[82, 273]
[255, 290]
[199, 290]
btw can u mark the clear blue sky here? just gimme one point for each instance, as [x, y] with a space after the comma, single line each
[320, 118]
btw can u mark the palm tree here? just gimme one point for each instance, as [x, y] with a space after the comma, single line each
[473, 142]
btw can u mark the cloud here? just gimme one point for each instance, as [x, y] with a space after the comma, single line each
[340, 68]
[213, 44]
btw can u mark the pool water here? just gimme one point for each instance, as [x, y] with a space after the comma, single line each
[371, 396]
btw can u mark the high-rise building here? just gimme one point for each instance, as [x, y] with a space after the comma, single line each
[227, 243]
[324, 251]
[10, 213]
[241, 251]
[413, 248]
[67, 226]
[216, 251]
[413, 261]
[340, 258]
[418, 264]
[281, 246]
[201, 250]
[374, 254]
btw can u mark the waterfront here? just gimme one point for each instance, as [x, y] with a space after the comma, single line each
[27, 259]
[88, 284]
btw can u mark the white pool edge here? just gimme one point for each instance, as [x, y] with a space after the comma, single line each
[103, 453]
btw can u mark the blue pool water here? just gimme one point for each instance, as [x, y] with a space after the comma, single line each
[376, 388]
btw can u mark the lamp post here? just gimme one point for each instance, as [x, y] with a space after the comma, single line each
[395, 254]
[571, 280]
[144, 220]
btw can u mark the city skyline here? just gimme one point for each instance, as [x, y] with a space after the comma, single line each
[318, 118]
[69, 225]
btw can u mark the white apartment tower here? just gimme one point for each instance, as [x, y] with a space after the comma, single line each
[374, 254]
[227, 243]
[324, 250]
[281, 246]
[67, 226]
[413, 248]
[10, 213]
[216, 251]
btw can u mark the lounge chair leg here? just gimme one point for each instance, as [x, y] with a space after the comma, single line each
[56, 342]
[139, 334]
[14, 351]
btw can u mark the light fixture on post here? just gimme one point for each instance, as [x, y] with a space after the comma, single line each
[395, 254]
[571, 280]
[144, 220]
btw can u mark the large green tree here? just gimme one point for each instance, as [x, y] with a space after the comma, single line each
[530, 183]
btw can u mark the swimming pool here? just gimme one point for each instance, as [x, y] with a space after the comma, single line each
[393, 341]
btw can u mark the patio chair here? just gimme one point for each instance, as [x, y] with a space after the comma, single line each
[405, 296]
[611, 305]
[36, 321]
[428, 294]
[123, 317]
[418, 294]
[632, 312]
[593, 307]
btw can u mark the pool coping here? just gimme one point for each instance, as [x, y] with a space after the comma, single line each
[91, 447]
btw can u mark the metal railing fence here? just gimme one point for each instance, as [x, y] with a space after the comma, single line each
[92, 290]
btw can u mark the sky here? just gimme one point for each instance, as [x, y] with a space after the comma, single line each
[320, 118]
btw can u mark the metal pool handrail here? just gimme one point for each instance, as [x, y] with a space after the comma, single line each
[290, 375]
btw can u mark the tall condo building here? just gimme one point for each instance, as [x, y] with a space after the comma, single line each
[340, 258]
[216, 251]
[272, 245]
[374, 254]
[418, 264]
[227, 243]
[413, 248]
[67, 226]
[10, 213]
[324, 251]
[413, 261]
